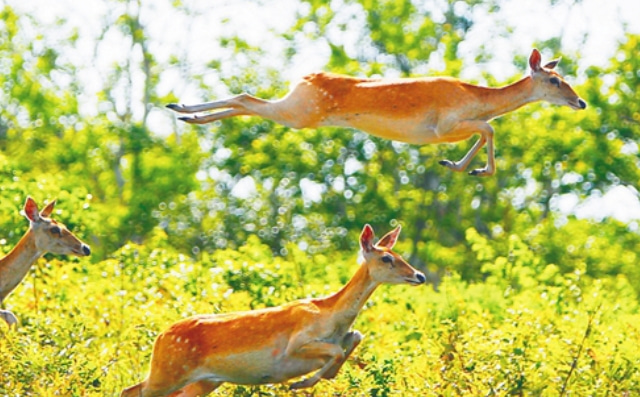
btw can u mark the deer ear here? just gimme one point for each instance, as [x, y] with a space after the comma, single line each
[389, 239]
[552, 64]
[46, 211]
[534, 60]
[366, 238]
[31, 210]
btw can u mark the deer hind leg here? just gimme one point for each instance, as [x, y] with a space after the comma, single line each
[486, 137]
[210, 118]
[164, 377]
[302, 107]
[148, 388]
[350, 342]
[8, 317]
[197, 389]
[144, 389]
[241, 105]
[135, 391]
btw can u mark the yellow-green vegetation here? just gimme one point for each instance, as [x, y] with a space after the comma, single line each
[530, 298]
[88, 328]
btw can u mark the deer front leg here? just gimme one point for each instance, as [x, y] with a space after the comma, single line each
[349, 344]
[490, 168]
[486, 136]
[8, 317]
[330, 352]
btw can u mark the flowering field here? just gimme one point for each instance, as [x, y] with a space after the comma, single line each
[87, 329]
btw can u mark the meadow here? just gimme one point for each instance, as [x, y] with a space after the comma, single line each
[87, 328]
[533, 277]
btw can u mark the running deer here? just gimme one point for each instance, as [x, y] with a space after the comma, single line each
[413, 110]
[195, 356]
[44, 235]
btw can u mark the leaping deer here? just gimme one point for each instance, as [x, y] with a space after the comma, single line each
[44, 235]
[413, 110]
[195, 356]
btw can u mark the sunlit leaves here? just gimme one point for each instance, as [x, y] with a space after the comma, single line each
[245, 213]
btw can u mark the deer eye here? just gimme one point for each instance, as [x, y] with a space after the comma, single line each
[387, 259]
[55, 230]
[555, 81]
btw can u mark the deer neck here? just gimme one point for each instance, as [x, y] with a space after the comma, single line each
[347, 303]
[14, 266]
[505, 99]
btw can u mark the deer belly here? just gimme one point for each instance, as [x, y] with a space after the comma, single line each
[409, 130]
[255, 368]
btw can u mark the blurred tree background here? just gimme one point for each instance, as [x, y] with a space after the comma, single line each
[124, 169]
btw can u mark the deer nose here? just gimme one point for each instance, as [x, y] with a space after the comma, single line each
[86, 250]
[582, 104]
[421, 278]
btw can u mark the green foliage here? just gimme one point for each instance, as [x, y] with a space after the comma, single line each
[529, 301]
[503, 336]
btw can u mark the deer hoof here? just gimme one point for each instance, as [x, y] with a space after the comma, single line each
[303, 384]
[452, 165]
[480, 172]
